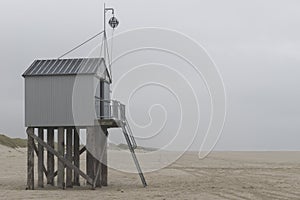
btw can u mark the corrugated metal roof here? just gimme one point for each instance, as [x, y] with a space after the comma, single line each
[65, 67]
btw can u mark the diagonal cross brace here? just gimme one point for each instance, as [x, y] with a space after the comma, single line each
[61, 158]
[37, 153]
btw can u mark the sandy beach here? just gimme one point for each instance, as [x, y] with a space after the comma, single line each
[222, 175]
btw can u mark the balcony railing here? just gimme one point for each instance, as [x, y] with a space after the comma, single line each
[110, 109]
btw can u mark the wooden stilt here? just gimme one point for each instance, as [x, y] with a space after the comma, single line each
[69, 157]
[50, 157]
[62, 159]
[96, 162]
[89, 165]
[37, 153]
[104, 170]
[89, 153]
[61, 166]
[76, 156]
[30, 160]
[97, 155]
[97, 181]
[97, 168]
[40, 159]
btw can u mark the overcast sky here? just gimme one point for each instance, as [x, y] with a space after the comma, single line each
[255, 44]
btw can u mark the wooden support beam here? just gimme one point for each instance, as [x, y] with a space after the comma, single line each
[69, 157]
[60, 166]
[76, 156]
[97, 175]
[55, 174]
[104, 169]
[40, 159]
[61, 158]
[30, 159]
[89, 165]
[82, 150]
[89, 152]
[50, 157]
[37, 154]
[97, 155]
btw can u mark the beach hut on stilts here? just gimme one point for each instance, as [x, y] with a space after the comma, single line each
[66, 97]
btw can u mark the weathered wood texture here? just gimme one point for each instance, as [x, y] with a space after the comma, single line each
[61, 166]
[50, 157]
[40, 159]
[97, 169]
[62, 159]
[69, 157]
[37, 154]
[76, 156]
[90, 141]
[96, 157]
[104, 169]
[97, 180]
[30, 160]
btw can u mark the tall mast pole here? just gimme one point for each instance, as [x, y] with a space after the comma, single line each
[104, 20]
[104, 33]
[113, 22]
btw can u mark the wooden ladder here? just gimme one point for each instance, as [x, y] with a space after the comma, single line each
[132, 145]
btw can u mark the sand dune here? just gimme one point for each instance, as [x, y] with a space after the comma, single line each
[223, 175]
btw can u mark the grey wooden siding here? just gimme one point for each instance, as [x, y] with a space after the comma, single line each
[54, 101]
